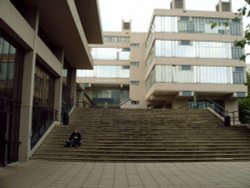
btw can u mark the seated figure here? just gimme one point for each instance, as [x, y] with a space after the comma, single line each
[74, 139]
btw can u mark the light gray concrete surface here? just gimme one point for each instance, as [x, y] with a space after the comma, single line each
[49, 174]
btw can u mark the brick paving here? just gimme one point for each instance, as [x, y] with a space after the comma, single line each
[49, 174]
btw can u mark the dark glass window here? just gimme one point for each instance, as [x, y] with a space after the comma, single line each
[43, 89]
[185, 42]
[135, 82]
[11, 69]
[187, 93]
[184, 18]
[185, 67]
[135, 102]
[43, 103]
[7, 68]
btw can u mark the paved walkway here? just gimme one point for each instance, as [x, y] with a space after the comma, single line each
[47, 174]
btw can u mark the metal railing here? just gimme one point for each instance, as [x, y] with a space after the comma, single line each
[229, 117]
[124, 101]
[89, 99]
[42, 119]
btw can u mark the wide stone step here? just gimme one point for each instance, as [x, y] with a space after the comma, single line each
[147, 135]
[147, 155]
[142, 150]
[148, 147]
[102, 159]
[123, 136]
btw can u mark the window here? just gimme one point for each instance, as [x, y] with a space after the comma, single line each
[236, 52]
[184, 18]
[126, 49]
[43, 88]
[135, 82]
[105, 72]
[185, 42]
[199, 74]
[135, 63]
[187, 48]
[110, 53]
[8, 65]
[187, 93]
[125, 67]
[134, 102]
[240, 94]
[239, 69]
[185, 67]
[136, 45]
[116, 39]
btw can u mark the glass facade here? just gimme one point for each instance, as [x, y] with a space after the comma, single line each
[196, 25]
[43, 89]
[196, 74]
[110, 53]
[106, 72]
[43, 103]
[11, 72]
[185, 24]
[110, 96]
[7, 68]
[193, 49]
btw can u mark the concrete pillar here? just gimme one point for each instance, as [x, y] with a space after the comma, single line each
[231, 105]
[58, 85]
[28, 90]
[73, 86]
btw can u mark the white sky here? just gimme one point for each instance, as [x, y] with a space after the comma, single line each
[140, 12]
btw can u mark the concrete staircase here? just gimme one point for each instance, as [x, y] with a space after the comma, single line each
[147, 135]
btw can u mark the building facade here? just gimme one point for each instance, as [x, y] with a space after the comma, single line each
[182, 59]
[118, 73]
[40, 50]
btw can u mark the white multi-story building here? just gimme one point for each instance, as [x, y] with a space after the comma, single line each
[180, 60]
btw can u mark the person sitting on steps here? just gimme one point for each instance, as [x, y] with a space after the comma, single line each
[74, 139]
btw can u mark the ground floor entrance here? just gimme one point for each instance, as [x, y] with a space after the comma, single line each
[9, 131]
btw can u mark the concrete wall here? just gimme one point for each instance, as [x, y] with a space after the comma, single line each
[24, 31]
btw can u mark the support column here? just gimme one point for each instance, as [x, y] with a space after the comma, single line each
[73, 86]
[58, 86]
[231, 105]
[28, 90]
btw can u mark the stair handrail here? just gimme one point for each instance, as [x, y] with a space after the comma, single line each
[89, 99]
[218, 108]
[125, 101]
[221, 111]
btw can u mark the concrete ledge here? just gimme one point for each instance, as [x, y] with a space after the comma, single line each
[43, 138]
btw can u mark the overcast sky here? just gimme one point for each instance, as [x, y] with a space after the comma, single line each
[112, 12]
[140, 12]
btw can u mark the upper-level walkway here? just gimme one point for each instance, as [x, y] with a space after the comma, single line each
[48, 174]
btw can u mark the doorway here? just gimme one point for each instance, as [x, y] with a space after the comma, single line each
[4, 120]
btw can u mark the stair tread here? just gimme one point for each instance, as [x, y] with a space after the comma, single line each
[147, 135]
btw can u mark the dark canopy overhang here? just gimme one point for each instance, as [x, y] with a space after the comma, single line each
[69, 28]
